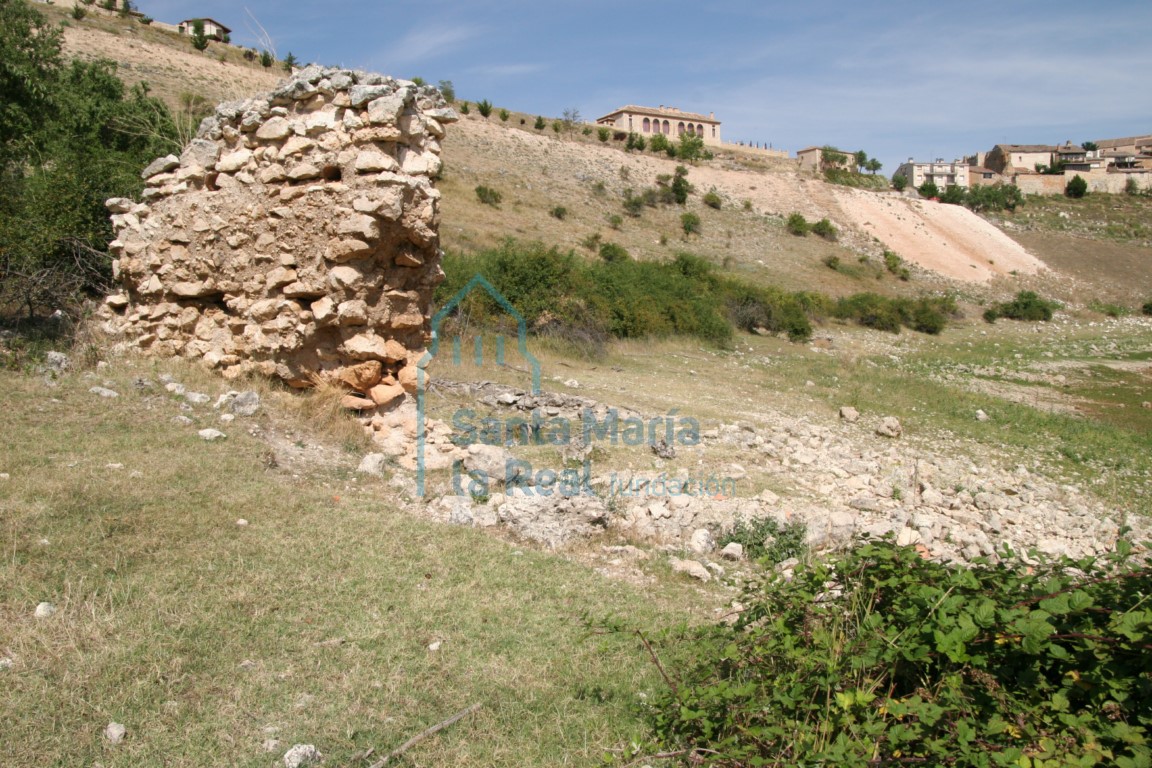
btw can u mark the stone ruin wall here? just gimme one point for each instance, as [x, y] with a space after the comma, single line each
[296, 236]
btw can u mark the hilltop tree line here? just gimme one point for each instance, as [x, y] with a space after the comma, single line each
[71, 136]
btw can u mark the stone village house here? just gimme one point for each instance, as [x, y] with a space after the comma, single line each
[213, 29]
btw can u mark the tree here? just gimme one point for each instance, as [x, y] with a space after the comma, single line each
[899, 182]
[484, 107]
[570, 118]
[1089, 146]
[691, 147]
[603, 133]
[266, 59]
[87, 142]
[448, 91]
[929, 190]
[861, 158]
[539, 124]
[953, 195]
[199, 39]
[290, 62]
[873, 165]
[830, 156]
[690, 223]
[1076, 187]
[680, 186]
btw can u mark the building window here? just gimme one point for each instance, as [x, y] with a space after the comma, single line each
[680, 129]
[667, 128]
[647, 125]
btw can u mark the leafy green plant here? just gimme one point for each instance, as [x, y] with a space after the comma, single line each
[557, 126]
[712, 199]
[633, 204]
[1108, 308]
[927, 314]
[504, 115]
[690, 223]
[832, 262]
[484, 107]
[899, 182]
[465, 108]
[766, 539]
[659, 143]
[1147, 308]
[604, 133]
[894, 264]
[447, 90]
[266, 59]
[559, 212]
[591, 242]
[488, 196]
[290, 62]
[680, 187]
[880, 657]
[691, 148]
[825, 229]
[797, 224]
[615, 221]
[199, 39]
[929, 190]
[78, 12]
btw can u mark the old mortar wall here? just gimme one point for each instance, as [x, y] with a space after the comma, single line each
[296, 236]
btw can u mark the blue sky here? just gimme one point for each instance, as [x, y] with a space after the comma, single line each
[928, 79]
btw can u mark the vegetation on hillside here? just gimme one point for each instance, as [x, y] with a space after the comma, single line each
[71, 136]
[880, 657]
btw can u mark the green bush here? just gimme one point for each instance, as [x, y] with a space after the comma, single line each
[832, 262]
[604, 133]
[1147, 308]
[924, 314]
[691, 148]
[659, 143]
[712, 199]
[559, 212]
[825, 229]
[484, 107]
[539, 124]
[633, 204]
[464, 108]
[953, 195]
[1076, 187]
[797, 225]
[929, 190]
[488, 196]
[899, 182]
[78, 12]
[766, 539]
[894, 264]
[1026, 306]
[615, 221]
[504, 115]
[612, 252]
[881, 657]
[680, 186]
[266, 59]
[690, 223]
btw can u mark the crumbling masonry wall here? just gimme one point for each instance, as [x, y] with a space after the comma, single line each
[296, 236]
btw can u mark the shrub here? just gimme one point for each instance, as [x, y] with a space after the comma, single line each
[266, 59]
[633, 205]
[690, 223]
[825, 229]
[612, 252]
[994, 197]
[797, 225]
[559, 212]
[899, 182]
[767, 540]
[464, 108]
[1131, 187]
[615, 221]
[604, 133]
[146, 20]
[557, 126]
[78, 12]
[929, 190]
[925, 314]
[712, 199]
[591, 242]
[1076, 187]
[504, 115]
[894, 264]
[832, 262]
[659, 143]
[691, 147]
[953, 195]
[1026, 306]
[1147, 308]
[290, 62]
[484, 107]
[881, 657]
[539, 124]
[680, 187]
[488, 196]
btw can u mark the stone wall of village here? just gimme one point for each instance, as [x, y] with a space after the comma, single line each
[296, 236]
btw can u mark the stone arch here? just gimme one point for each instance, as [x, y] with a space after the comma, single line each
[647, 125]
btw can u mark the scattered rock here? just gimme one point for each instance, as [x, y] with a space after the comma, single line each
[115, 733]
[732, 551]
[104, 392]
[211, 435]
[241, 522]
[889, 427]
[981, 416]
[6, 663]
[301, 755]
[57, 362]
[691, 568]
[701, 542]
[434, 645]
[373, 464]
[849, 414]
[44, 610]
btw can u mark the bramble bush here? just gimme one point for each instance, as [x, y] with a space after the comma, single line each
[881, 657]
